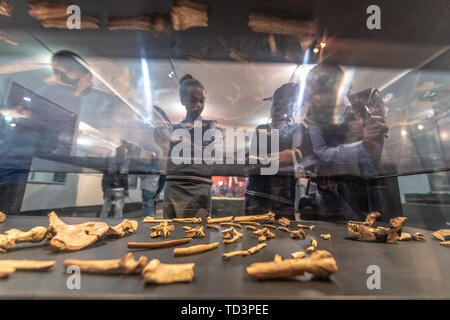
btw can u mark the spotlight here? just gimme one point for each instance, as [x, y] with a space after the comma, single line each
[403, 132]
[316, 50]
[323, 44]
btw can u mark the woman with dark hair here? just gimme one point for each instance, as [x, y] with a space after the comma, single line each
[188, 185]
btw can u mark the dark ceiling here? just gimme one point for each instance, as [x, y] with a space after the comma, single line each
[410, 30]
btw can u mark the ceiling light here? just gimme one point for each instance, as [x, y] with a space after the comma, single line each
[420, 127]
[403, 132]
[12, 125]
[26, 99]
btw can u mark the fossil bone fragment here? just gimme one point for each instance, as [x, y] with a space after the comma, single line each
[442, 234]
[285, 222]
[6, 9]
[161, 273]
[321, 264]
[445, 243]
[408, 236]
[78, 236]
[277, 258]
[264, 234]
[326, 236]
[213, 226]
[125, 265]
[186, 14]
[250, 223]
[10, 266]
[313, 246]
[194, 249]
[284, 229]
[250, 251]
[11, 237]
[230, 224]
[372, 217]
[157, 245]
[123, 227]
[196, 232]
[187, 220]
[153, 220]
[297, 234]
[363, 232]
[230, 233]
[249, 227]
[163, 229]
[298, 255]
[268, 217]
[271, 226]
[2, 216]
[302, 226]
[218, 220]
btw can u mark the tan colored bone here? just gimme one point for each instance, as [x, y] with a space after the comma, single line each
[156, 23]
[126, 265]
[313, 246]
[264, 234]
[195, 249]
[250, 223]
[285, 222]
[123, 227]
[6, 271]
[230, 224]
[157, 245]
[441, 234]
[2, 217]
[251, 228]
[271, 226]
[298, 255]
[213, 226]
[153, 220]
[277, 258]
[11, 237]
[371, 218]
[187, 14]
[28, 265]
[187, 220]
[163, 229]
[326, 236]
[297, 234]
[250, 251]
[416, 236]
[218, 220]
[269, 217]
[78, 236]
[197, 232]
[284, 229]
[321, 264]
[231, 232]
[302, 226]
[161, 273]
[362, 231]
[6, 8]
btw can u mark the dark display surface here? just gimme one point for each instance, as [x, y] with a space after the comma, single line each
[413, 269]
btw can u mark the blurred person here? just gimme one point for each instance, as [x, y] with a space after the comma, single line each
[346, 148]
[277, 192]
[188, 186]
[149, 186]
[115, 183]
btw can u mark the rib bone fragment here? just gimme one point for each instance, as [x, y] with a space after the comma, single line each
[157, 245]
[264, 234]
[320, 264]
[250, 251]
[153, 220]
[187, 14]
[268, 217]
[126, 265]
[187, 220]
[161, 273]
[195, 249]
[2, 216]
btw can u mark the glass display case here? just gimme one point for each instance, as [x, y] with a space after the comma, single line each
[281, 126]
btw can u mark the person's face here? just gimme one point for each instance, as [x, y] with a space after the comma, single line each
[194, 101]
[326, 103]
[282, 108]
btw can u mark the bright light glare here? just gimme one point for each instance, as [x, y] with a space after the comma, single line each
[420, 127]
[26, 99]
[8, 118]
[403, 132]
[146, 79]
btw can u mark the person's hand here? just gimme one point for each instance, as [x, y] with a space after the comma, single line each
[126, 193]
[373, 133]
